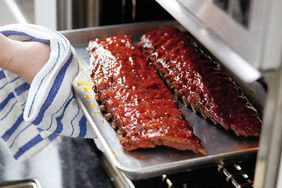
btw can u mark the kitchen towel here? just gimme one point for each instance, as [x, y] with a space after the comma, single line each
[32, 116]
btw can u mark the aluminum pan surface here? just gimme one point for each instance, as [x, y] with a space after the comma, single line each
[145, 163]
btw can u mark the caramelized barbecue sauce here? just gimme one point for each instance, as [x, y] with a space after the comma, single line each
[141, 105]
[205, 86]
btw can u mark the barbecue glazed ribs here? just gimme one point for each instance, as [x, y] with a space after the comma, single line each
[141, 106]
[199, 81]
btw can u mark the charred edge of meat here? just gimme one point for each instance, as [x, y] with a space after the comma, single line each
[102, 108]
[107, 115]
[179, 94]
[114, 125]
[184, 100]
[204, 115]
[243, 134]
[97, 97]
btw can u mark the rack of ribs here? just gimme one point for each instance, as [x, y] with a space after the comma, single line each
[199, 81]
[131, 93]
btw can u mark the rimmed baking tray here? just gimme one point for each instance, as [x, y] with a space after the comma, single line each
[144, 163]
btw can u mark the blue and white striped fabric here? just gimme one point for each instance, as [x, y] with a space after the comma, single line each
[32, 116]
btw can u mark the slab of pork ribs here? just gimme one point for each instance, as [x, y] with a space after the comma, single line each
[199, 81]
[141, 106]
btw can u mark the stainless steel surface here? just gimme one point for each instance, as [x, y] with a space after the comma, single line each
[152, 162]
[53, 14]
[81, 37]
[84, 13]
[64, 14]
[269, 155]
[92, 13]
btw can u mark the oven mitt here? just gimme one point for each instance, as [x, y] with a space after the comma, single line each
[32, 116]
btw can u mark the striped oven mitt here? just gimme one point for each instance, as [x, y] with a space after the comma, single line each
[32, 116]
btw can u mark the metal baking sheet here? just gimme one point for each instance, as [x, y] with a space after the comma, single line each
[144, 163]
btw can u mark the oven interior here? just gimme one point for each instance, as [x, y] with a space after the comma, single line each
[241, 35]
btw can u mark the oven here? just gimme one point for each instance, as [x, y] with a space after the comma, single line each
[244, 35]
[241, 34]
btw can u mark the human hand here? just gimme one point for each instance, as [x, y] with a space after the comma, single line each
[23, 58]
